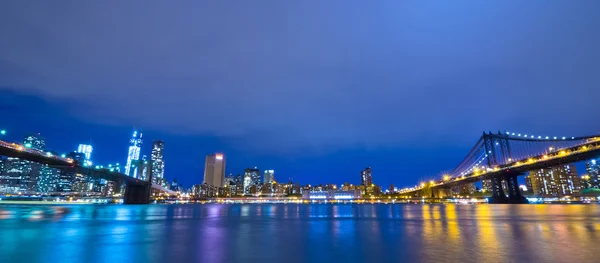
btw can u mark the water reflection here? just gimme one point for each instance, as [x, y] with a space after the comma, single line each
[300, 233]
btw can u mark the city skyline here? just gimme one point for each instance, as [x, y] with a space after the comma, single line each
[254, 176]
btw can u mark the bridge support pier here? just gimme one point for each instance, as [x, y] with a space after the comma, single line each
[514, 193]
[137, 194]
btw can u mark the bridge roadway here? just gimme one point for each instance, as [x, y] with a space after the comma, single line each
[136, 192]
[577, 153]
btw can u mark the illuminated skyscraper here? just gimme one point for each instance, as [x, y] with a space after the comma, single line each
[593, 169]
[247, 182]
[251, 178]
[18, 176]
[366, 177]
[144, 168]
[158, 164]
[555, 182]
[133, 155]
[86, 150]
[269, 176]
[214, 170]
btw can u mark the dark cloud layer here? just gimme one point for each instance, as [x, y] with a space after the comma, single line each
[323, 75]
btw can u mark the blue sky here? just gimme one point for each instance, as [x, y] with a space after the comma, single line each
[316, 90]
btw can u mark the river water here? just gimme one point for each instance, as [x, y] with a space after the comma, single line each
[300, 233]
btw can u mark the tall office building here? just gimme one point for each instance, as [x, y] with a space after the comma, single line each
[253, 174]
[48, 179]
[555, 182]
[143, 164]
[593, 170]
[268, 176]
[247, 182]
[71, 181]
[86, 150]
[133, 155]
[18, 176]
[214, 169]
[366, 177]
[158, 164]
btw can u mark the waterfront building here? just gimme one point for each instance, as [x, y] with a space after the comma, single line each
[587, 181]
[366, 177]
[557, 181]
[247, 183]
[158, 163]
[48, 179]
[70, 181]
[332, 195]
[18, 176]
[486, 185]
[463, 189]
[251, 178]
[269, 176]
[133, 154]
[144, 168]
[593, 170]
[214, 170]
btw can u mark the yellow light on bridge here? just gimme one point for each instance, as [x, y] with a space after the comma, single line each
[446, 177]
[545, 156]
[562, 153]
[422, 185]
[431, 182]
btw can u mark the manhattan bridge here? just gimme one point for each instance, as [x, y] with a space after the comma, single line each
[498, 157]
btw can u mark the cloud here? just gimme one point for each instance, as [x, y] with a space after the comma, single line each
[319, 75]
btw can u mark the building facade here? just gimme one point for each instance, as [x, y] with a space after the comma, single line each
[214, 170]
[269, 176]
[133, 155]
[366, 177]
[554, 182]
[332, 195]
[592, 169]
[158, 163]
[251, 180]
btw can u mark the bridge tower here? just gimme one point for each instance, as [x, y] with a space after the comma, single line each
[497, 147]
[140, 194]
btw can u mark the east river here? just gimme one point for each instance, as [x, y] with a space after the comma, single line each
[300, 233]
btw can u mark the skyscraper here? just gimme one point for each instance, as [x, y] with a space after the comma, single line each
[71, 181]
[247, 182]
[593, 170]
[214, 169]
[17, 176]
[133, 155]
[254, 174]
[143, 168]
[269, 176]
[158, 164]
[555, 182]
[366, 177]
[86, 150]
